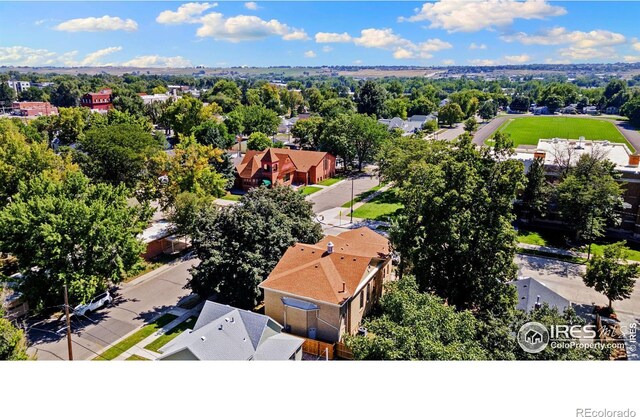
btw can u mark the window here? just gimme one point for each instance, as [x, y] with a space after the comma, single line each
[368, 291]
[361, 299]
[275, 167]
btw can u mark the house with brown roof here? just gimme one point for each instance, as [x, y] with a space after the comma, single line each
[285, 167]
[324, 290]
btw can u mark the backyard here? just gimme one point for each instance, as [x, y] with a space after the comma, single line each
[528, 130]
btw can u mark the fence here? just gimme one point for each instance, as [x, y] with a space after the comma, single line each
[343, 352]
[318, 348]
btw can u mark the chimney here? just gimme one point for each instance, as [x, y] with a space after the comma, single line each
[538, 305]
[330, 247]
[634, 160]
[220, 327]
[344, 287]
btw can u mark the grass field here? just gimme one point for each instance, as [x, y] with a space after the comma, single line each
[309, 190]
[381, 207]
[171, 334]
[528, 130]
[362, 196]
[331, 181]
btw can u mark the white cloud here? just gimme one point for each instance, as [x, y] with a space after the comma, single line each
[156, 61]
[472, 16]
[251, 5]
[587, 54]
[474, 46]
[93, 59]
[635, 44]
[484, 62]
[40, 22]
[25, 56]
[631, 58]
[233, 29]
[448, 62]
[562, 36]
[328, 37]
[309, 54]
[98, 24]
[187, 13]
[327, 48]
[357, 62]
[517, 59]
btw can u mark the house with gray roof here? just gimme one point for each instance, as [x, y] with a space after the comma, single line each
[223, 332]
[533, 294]
[409, 126]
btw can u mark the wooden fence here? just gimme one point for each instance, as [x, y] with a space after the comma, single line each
[343, 352]
[318, 348]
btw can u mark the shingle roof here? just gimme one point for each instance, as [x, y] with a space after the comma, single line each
[303, 160]
[310, 271]
[227, 333]
[528, 291]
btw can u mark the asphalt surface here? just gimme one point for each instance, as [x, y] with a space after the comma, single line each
[486, 130]
[135, 304]
[341, 193]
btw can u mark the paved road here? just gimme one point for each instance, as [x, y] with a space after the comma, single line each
[135, 303]
[341, 193]
[565, 279]
[630, 133]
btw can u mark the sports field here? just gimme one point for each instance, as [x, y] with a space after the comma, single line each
[527, 130]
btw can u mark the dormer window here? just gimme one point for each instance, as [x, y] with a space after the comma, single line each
[275, 167]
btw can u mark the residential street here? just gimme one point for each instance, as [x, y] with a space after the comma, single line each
[341, 193]
[135, 304]
[565, 279]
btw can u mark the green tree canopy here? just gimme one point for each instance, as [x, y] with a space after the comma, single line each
[184, 114]
[308, 132]
[258, 141]
[450, 113]
[214, 133]
[13, 343]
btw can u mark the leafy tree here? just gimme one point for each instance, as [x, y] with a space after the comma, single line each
[69, 230]
[128, 101]
[470, 125]
[314, 98]
[488, 110]
[270, 98]
[520, 104]
[430, 127]
[13, 343]
[258, 141]
[184, 115]
[70, 123]
[589, 197]
[308, 131]
[226, 94]
[118, 154]
[450, 114]
[421, 105]
[238, 246]
[259, 119]
[406, 329]
[334, 107]
[396, 107]
[370, 98]
[65, 94]
[610, 274]
[32, 94]
[554, 102]
[537, 192]
[455, 233]
[631, 109]
[214, 133]
[7, 95]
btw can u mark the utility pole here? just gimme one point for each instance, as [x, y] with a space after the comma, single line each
[66, 310]
[352, 203]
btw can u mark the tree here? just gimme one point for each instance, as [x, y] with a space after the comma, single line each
[520, 104]
[184, 115]
[308, 131]
[259, 119]
[314, 98]
[258, 141]
[455, 233]
[70, 123]
[71, 231]
[118, 154]
[214, 133]
[450, 114]
[610, 274]
[226, 94]
[370, 98]
[7, 95]
[65, 94]
[13, 343]
[128, 101]
[589, 197]
[430, 127]
[488, 110]
[631, 109]
[336, 106]
[421, 105]
[32, 94]
[554, 102]
[470, 125]
[238, 246]
[396, 107]
[537, 192]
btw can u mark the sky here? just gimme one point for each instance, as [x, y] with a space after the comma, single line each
[236, 33]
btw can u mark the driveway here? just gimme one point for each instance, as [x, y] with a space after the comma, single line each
[565, 279]
[135, 304]
[341, 193]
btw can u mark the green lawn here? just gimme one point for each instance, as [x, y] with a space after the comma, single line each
[231, 197]
[118, 349]
[381, 207]
[531, 238]
[171, 334]
[528, 130]
[362, 196]
[331, 181]
[136, 358]
[309, 189]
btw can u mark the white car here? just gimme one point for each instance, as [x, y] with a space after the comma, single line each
[96, 303]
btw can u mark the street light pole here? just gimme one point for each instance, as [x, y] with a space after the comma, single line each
[66, 310]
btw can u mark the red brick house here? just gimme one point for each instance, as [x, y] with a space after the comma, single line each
[33, 108]
[284, 166]
[100, 101]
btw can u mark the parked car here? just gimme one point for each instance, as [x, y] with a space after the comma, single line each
[96, 303]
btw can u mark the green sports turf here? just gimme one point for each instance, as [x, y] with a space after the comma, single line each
[528, 130]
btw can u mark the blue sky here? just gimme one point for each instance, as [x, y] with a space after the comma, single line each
[230, 33]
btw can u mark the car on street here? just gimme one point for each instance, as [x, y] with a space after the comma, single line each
[95, 303]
